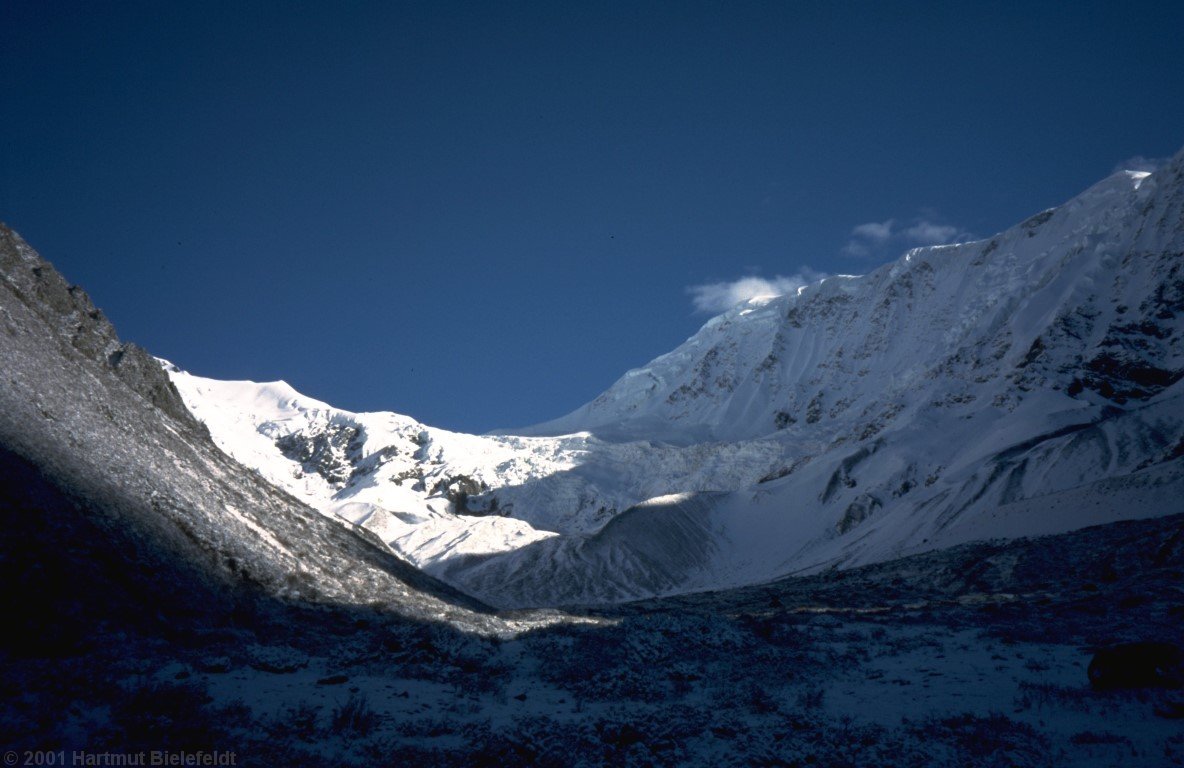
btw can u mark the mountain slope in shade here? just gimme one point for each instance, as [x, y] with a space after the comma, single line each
[98, 454]
[1027, 383]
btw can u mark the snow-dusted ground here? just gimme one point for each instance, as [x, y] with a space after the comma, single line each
[892, 692]
[890, 678]
[974, 656]
[1024, 384]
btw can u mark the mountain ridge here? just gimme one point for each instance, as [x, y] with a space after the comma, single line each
[699, 368]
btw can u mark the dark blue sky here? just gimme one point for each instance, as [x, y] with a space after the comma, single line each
[481, 214]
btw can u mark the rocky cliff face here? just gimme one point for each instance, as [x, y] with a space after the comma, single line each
[75, 322]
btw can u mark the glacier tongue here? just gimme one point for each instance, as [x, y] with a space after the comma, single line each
[1023, 384]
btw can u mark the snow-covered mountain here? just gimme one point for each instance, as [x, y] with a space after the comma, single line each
[161, 596]
[1027, 383]
[435, 495]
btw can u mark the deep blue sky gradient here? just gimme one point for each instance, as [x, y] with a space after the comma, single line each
[481, 214]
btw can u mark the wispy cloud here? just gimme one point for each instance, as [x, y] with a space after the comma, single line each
[874, 231]
[866, 238]
[713, 298]
[929, 233]
[879, 238]
[1140, 163]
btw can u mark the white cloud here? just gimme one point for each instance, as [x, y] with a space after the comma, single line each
[875, 231]
[928, 233]
[713, 298]
[865, 238]
[1140, 163]
[883, 238]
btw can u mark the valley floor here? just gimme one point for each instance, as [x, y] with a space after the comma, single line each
[973, 656]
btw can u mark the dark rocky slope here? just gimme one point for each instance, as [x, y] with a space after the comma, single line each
[101, 463]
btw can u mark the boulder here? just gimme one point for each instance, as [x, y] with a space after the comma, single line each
[1137, 665]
